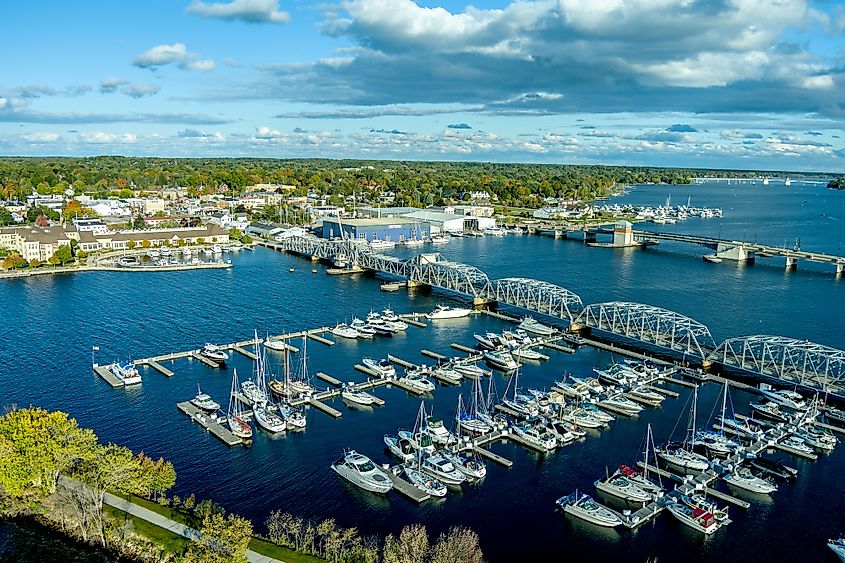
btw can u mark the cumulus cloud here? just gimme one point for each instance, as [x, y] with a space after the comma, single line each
[43, 137]
[101, 138]
[140, 90]
[459, 126]
[111, 84]
[162, 55]
[250, 11]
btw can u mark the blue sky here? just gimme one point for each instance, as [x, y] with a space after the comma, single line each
[710, 83]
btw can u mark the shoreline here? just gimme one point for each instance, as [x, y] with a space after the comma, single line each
[135, 269]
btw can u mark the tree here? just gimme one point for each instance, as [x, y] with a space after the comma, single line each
[146, 244]
[222, 540]
[76, 209]
[14, 261]
[410, 547]
[63, 254]
[5, 217]
[460, 544]
[130, 244]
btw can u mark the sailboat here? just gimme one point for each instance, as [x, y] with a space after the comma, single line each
[642, 479]
[301, 385]
[234, 416]
[519, 403]
[425, 483]
[681, 455]
[716, 443]
[469, 420]
[256, 389]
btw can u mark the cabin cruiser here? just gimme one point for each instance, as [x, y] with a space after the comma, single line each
[214, 353]
[745, 428]
[617, 374]
[816, 438]
[204, 401]
[501, 360]
[638, 479]
[746, 480]
[696, 518]
[417, 382]
[838, 547]
[521, 404]
[444, 312]
[573, 339]
[691, 462]
[620, 404]
[570, 390]
[252, 392]
[439, 239]
[127, 373]
[714, 443]
[798, 444]
[268, 418]
[442, 469]
[294, 417]
[472, 468]
[364, 329]
[769, 410]
[785, 398]
[526, 354]
[396, 326]
[378, 244]
[383, 368]
[645, 395]
[618, 485]
[403, 447]
[835, 415]
[471, 370]
[469, 423]
[345, 331]
[579, 416]
[275, 345]
[390, 316]
[359, 470]
[773, 468]
[438, 432]
[594, 411]
[353, 395]
[590, 384]
[539, 438]
[533, 326]
[425, 483]
[448, 375]
[488, 341]
[584, 507]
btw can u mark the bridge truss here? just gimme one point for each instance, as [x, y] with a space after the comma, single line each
[535, 295]
[797, 361]
[650, 324]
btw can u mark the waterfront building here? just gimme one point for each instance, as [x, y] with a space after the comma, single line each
[385, 228]
[35, 243]
[440, 222]
[90, 224]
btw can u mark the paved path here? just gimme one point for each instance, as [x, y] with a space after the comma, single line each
[160, 521]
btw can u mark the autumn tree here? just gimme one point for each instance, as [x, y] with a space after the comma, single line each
[222, 540]
[459, 544]
[410, 547]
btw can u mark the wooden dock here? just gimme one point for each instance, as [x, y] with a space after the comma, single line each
[680, 382]
[402, 486]
[463, 348]
[435, 355]
[500, 316]
[160, 368]
[365, 369]
[412, 320]
[492, 456]
[197, 356]
[329, 379]
[244, 352]
[407, 388]
[401, 362]
[662, 391]
[108, 376]
[321, 406]
[212, 425]
[320, 339]
[558, 347]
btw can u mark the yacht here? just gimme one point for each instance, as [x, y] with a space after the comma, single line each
[818, 439]
[501, 360]
[618, 485]
[377, 244]
[275, 345]
[448, 375]
[714, 443]
[444, 312]
[364, 329]
[797, 444]
[526, 354]
[127, 373]
[214, 353]
[488, 341]
[620, 404]
[383, 367]
[234, 415]
[773, 468]
[442, 469]
[439, 434]
[495, 232]
[540, 439]
[838, 547]
[584, 507]
[696, 518]
[578, 416]
[359, 470]
[834, 415]
[533, 326]
[785, 398]
[645, 395]
[617, 374]
[389, 316]
[351, 394]
[638, 479]
[345, 331]
[268, 418]
[252, 392]
[744, 429]
[690, 462]
[570, 390]
[746, 480]
[403, 447]
[417, 382]
[472, 468]
[204, 401]
[396, 326]
[425, 483]
[597, 413]
[470, 370]
[573, 339]
[769, 410]
[439, 239]
[413, 242]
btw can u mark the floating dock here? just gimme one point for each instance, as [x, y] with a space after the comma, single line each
[329, 379]
[320, 339]
[158, 367]
[402, 486]
[404, 363]
[463, 348]
[492, 456]
[435, 355]
[321, 406]
[197, 356]
[108, 376]
[211, 424]
[558, 347]
[245, 352]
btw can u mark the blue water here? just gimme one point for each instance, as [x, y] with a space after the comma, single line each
[49, 324]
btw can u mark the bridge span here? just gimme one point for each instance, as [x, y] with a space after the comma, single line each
[784, 359]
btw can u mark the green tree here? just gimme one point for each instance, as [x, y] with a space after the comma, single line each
[460, 544]
[146, 244]
[222, 540]
[64, 254]
[410, 547]
[5, 217]
[130, 244]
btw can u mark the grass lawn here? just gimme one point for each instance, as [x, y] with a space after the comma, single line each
[281, 553]
[166, 511]
[173, 543]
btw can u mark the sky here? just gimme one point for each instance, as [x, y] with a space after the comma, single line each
[742, 84]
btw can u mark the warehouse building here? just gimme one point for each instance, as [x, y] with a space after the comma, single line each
[440, 222]
[387, 228]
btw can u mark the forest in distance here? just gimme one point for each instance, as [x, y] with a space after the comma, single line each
[414, 183]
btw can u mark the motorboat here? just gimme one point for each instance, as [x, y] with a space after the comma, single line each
[744, 429]
[838, 547]
[435, 428]
[798, 444]
[698, 519]
[712, 258]
[413, 242]
[529, 324]
[589, 384]
[495, 232]
[638, 479]
[126, 372]
[620, 404]
[769, 410]
[294, 417]
[379, 244]
[618, 485]
[538, 438]
[382, 368]
[396, 326]
[214, 353]
[573, 339]
[425, 483]
[268, 418]
[345, 331]
[252, 392]
[561, 431]
[359, 470]
[417, 382]
[448, 375]
[643, 394]
[204, 401]
[526, 354]
[389, 316]
[744, 479]
[488, 341]
[380, 329]
[442, 469]
[521, 405]
[570, 390]
[473, 468]
[594, 411]
[714, 443]
[580, 417]
[275, 345]
[364, 329]
[584, 507]
[834, 415]
[501, 360]
[471, 370]
[785, 398]
[816, 438]
[353, 395]
[617, 374]
[690, 462]
[439, 239]
[773, 468]
[444, 312]
[402, 447]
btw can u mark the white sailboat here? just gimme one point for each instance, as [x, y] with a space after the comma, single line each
[234, 415]
[681, 455]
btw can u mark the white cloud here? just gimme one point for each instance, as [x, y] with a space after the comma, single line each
[250, 11]
[140, 90]
[162, 55]
[111, 84]
[44, 137]
[101, 138]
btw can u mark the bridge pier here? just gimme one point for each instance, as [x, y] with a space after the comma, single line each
[791, 263]
[413, 283]
[483, 302]
[735, 252]
[840, 269]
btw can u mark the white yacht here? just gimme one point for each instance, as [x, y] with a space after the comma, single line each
[690, 462]
[379, 244]
[403, 447]
[127, 373]
[838, 547]
[353, 395]
[816, 438]
[204, 401]
[439, 239]
[444, 312]
[533, 326]
[797, 443]
[275, 345]
[383, 367]
[252, 392]
[785, 398]
[472, 468]
[424, 482]
[417, 382]
[268, 418]
[584, 507]
[413, 242]
[540, 439]
[745, 479]
[622, 487]
[526, 354]
[442, 469]
[345, 331]
[582, 418]
[501, 360]
[359, 470]
[449, 375]
[494, 232]
[214, 353]
[294, 417]
[471, 370]
[620, 404]
[696, 518]
[364, 330]
[435, 428]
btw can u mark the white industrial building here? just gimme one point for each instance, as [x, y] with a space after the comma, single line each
[440, 222]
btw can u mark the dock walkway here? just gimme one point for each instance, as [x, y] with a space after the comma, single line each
[212, 424]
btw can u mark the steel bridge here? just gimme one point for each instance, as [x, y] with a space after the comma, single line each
[798, 361]
[650, 324]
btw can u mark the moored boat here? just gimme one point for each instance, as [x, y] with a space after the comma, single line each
[345, 331]
[214, 353]
[444, 312]
[501, 360]
[204, 401]
[584, 507]
[618, 485]
[383, 367]
[359, 470]
[744, 479]
[529, 324]
[126, 372]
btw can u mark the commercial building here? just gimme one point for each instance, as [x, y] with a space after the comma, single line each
[386, 228]
[440, 222]
[34, 243]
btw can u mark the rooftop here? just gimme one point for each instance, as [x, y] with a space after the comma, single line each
[373, 221]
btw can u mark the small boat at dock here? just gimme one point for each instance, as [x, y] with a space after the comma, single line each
[584, 507]
[126, 372]
[359, 470]
[769, 410]
[353, 395]
[382, 368]
[744, 479]
[268, 418]
[501, 360]
[345, 331]
[773, 468]
[444, 312]
[204, 401]
[425, 483]
[619, 486]
[529, 324]
[699, 519]
[214, 353]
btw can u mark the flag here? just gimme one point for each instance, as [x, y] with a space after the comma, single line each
[95, 348]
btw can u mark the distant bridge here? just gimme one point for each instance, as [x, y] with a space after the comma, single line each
[793, 361]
